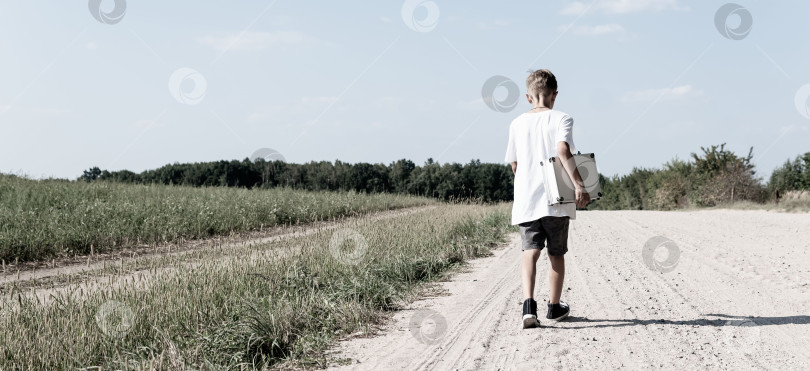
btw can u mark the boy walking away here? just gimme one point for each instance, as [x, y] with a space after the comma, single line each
[534, 136]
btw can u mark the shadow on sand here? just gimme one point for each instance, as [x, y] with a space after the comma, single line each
[724, 320]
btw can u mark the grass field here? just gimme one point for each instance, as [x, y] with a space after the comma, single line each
[248, 306]
[51, 218]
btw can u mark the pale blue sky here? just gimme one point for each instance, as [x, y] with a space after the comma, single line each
[322, 80]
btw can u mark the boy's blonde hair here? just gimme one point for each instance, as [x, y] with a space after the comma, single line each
[541, 82]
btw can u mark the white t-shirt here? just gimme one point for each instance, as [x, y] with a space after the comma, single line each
[528, 147]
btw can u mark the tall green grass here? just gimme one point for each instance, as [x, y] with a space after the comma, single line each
[252, 306]
[41, 219]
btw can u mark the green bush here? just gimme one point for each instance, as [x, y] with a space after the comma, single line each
[715, 176]
[792, 176]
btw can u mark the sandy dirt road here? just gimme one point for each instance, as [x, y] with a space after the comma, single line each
[733, 294]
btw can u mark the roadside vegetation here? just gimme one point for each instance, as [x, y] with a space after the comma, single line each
[281, 303]
[716, 177]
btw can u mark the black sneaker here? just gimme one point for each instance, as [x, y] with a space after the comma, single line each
[530, 314]
[558, 312]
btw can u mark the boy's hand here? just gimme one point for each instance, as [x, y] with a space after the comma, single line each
[583, 198]
[570, 165]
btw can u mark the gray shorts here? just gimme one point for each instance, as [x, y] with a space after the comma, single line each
[553, 229]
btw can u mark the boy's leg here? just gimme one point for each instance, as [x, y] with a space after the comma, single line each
[556, 275]
[528, 271]
[533, 237]
[557, 231]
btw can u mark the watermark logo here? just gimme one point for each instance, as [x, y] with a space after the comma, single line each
[356, 250]
[741, 334]
[267, 154]
[115, 15]
[803, 101]
[590, 179]
[652, 251]
[115, 319]
[496, 85]
[424, 22]
[181, 91]
[724, 15]
[428, 326]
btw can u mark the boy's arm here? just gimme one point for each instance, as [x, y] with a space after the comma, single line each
[511, 151]
[568, 162]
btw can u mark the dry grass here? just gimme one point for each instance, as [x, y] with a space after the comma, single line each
[247, 306]
[796, 205]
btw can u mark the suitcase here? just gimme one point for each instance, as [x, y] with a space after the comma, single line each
[560, 188]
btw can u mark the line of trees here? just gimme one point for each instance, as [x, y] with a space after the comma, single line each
[713, 177]
[488, 182]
